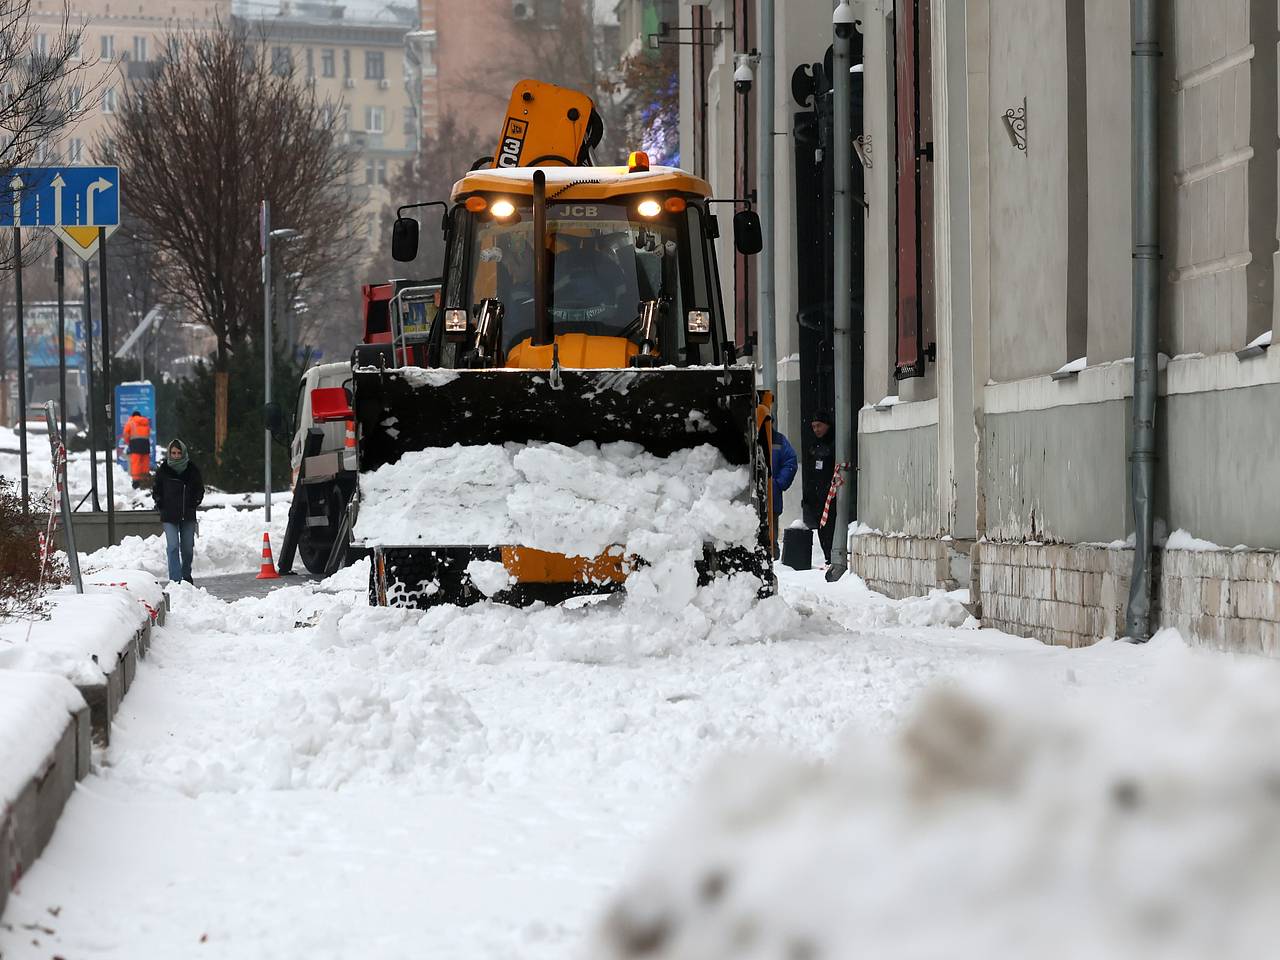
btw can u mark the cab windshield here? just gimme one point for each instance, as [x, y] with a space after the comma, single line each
[605, 261]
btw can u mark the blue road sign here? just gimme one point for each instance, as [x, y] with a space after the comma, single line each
[139, 395]
[60, 197]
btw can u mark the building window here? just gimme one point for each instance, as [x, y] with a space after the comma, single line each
[374, 65]
[75, 152]
[369, 171]
[109, 100]
[281, 61]
[74, 96]
[311, 63]
[108, 50]
[42, 44]
[76, 51]
[346, 64]
[174, 49]
[373, 117]
[140, 49]
[327, 64]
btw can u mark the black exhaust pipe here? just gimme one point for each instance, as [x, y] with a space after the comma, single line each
[542, 335]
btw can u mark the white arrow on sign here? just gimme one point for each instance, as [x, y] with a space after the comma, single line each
[57, 183]
[100, 184]
[16, 186]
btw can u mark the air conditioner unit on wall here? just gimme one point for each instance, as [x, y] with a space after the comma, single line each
[384, 84]
[522, 10]
[349, 82]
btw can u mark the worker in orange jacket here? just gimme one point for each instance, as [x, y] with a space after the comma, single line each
[137, 439]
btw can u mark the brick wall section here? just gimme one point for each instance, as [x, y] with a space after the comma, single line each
[1066, 595]
[905, 566]
[1226, 599]
[1072, 595]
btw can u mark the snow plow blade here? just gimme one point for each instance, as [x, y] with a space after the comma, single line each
[662, 410]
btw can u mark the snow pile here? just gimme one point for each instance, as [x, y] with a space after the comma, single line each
[655, 618]
[1008, 818]
[33, 713]
[81, 639]
[365, 730]
[578, 501]
[1182, 540]
[228, 541]
[853, 605]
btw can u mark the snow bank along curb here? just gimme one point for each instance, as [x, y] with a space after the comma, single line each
[44, 750]
[61, 683]
[92, 639]
[1009, 817]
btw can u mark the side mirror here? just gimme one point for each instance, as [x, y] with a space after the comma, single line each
[404, 239]
[273, 416]
[747, 235]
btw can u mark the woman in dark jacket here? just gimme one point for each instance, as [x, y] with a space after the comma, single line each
[178, 491]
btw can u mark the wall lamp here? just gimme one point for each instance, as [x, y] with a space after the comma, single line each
[1015, 125]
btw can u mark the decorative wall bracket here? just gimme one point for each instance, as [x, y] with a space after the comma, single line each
[862, 147]
[1015, 125]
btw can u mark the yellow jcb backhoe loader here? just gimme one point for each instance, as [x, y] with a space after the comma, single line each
[579, 302]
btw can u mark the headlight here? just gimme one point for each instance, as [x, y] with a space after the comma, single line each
[502, 209]
[455, 322]
[698, 323]
[649, 208]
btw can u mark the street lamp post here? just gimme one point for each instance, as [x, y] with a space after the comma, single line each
[286, 234]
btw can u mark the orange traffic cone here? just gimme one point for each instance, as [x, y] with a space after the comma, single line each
[349, 442]
[268, 571]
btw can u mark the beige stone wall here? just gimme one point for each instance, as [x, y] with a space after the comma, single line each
[908, 566]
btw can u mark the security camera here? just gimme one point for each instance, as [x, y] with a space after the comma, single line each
[743, 75]
[843, 20]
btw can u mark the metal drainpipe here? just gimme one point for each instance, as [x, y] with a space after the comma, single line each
[1146, 259]
[768, 329]
[842, 26]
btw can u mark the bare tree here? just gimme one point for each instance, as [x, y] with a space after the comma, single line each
[220, 126]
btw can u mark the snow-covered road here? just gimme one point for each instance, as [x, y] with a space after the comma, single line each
[301, 776]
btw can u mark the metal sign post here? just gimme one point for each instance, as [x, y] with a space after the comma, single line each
[106, 379]
[92, 410]
[82, 206]
[62, 337]
[265, 231]
[58, 450]
[22, 365]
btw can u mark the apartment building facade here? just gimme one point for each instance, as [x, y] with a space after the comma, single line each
[995, 289]
[122, 41]
[355, 59]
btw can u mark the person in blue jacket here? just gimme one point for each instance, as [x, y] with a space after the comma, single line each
[784, 465]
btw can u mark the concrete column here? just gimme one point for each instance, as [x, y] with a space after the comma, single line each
[957, 465]
[880, 261]
[1110, 120]
[977, 64]
[1263, 136]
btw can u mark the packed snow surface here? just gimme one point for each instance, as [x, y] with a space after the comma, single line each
[578, 501]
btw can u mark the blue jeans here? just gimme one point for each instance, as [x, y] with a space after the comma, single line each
[180, 540]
